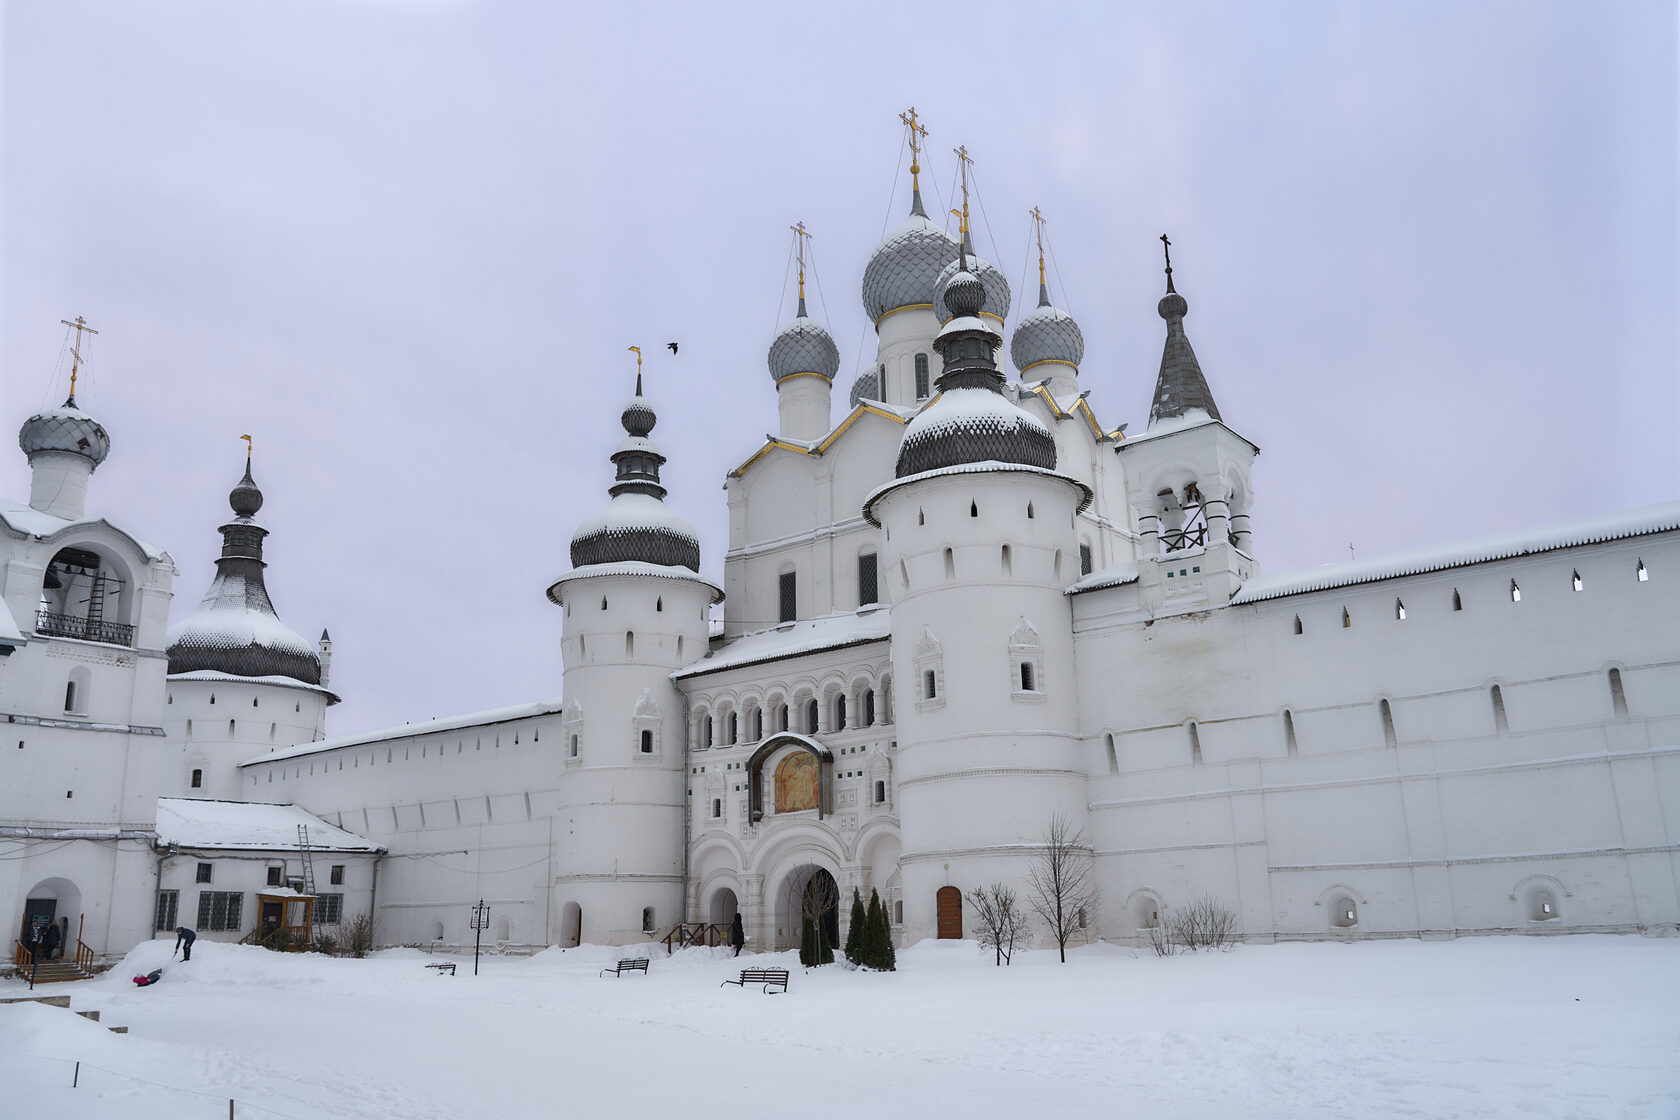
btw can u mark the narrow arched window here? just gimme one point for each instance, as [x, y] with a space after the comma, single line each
[1501, 726]
[1387, 712]
[647, 919]
[1195, 743]
[717, 808]
[734, 728]
[1458, 603]
[758, 724]
[1516, 592]
[973, 509]
[950, 565]
[706, 731]
[1575, 583]
[647, 741]
[1618, 698]
[197, 779]
[1113, 758]
[880, 793]
[1347, 619]
[811, 712]
[603, 602]
[659, 603]
[1640, 573]
[1399, 611]
[929, 690]
[70, 696]
[921, 378]
[1026, 676]
[1085, 563]
[1029, 511]
[921, 518]
[869, 707]
[1290, 746]
[1297, 624]
[629, 643]
[1008, 562]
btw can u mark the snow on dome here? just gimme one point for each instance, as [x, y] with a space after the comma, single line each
[974, 425]
[904, 268]
[235, 631]
[1047, 334]
[636, 526]
[803, 346]
[65, 429]
[997, 288]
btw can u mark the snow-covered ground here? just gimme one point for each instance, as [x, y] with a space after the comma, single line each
[1491, 1027]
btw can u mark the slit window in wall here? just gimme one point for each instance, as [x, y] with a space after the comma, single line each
[253, 701]
[973, 509]
[1575, 580]
[1290, 746]
[868, 591]
[903, 575]
[950, 565]
[921, 518]
[1516, 592]
[880, 792]
[1084, 559]
[629, 643]
[929, 685]
[1458, 603]
[1113, 758]
[198, 779]
[1641, 573]
[1347, 619]
[230, 729]
[717, 808]
[603, 602]
[1029, 511]
[571, 750]
[647, 919]
[1297, 624]
[70, 696]
[1399, 611]
[1008, 563]
[788, 588]
[1026, 676]
[1387, 713]
[1501, 726]
[1195, 743]
[647, 741]
[1056, 566]
[1344, 912]
[921, 378]
[1618, 698]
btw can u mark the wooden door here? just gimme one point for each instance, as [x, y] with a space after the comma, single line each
[949, 909]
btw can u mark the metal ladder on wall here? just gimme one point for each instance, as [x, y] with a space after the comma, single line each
[306, 859]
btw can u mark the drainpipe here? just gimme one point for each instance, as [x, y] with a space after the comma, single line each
[688, 802]
[373, 894]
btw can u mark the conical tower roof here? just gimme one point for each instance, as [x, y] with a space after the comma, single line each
[1180, 389]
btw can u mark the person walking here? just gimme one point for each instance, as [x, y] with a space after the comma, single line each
[184, 938]
[737, 935]
[49, 944]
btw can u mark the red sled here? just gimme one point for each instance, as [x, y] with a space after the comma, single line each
[150, 978]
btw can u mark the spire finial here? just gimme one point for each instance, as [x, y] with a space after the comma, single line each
[917, 135]
[964, 161]
[76, 352]
[1038, 232]
[248, 447]
[800, 236]
[638, 351]
[1166, 247]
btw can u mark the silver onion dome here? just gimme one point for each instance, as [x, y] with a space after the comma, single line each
[65, 429]
[803, 346]
[1046, 335]
[996, 304]
[904, 268]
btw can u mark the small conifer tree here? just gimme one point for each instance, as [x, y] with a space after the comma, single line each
[855, 930]
[881, 954]
[868, 947]
[807, 943]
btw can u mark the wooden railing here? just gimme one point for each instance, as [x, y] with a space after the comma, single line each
[84, 956]
[685, 934]
[23, 959]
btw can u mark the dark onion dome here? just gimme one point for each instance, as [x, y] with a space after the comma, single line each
[997, 289]
[867, 387]
[904, 268]
[1180, 388]
[803, 347]
[1047, 335]
[637, 525]
[971, 421]
[65, 429]
[234, 630]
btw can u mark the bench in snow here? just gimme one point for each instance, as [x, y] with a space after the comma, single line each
[769, 977]
[638, 964]
[443, 966]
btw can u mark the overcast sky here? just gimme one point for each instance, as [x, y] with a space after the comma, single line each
[1429, 251]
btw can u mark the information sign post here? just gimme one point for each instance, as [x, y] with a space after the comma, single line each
[480, 919]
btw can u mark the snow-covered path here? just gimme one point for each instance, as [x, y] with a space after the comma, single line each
[1499, 1027]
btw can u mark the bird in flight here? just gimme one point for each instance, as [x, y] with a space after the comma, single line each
[673, 347]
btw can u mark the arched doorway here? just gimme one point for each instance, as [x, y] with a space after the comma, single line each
[571, 925]
[53, 902]
[808, 891]
[948, 907]
[724, 907]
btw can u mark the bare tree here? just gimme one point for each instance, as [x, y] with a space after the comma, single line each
[1002, 919]
[1063, 881]
[1161, 940]
[1205, 923]
[814, 899]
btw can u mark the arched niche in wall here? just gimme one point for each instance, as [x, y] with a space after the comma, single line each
[755, 772]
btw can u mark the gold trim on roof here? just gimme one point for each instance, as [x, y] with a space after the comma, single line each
[906, 307]
[807, 373]
[852, 419]
[1048, 362]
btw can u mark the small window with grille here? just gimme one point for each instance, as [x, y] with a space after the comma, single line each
[789, 588]
[867, 582]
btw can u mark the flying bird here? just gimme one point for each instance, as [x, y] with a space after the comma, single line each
[673, 347]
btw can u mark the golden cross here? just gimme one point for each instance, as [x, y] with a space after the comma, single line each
[76, 351]
[963, 162]
[801, 236]
[1038, 226]
[917, 135]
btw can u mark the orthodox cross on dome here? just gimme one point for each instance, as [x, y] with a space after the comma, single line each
[638, 351]
[917, 135]
[1038, 232]
[76, 350]
[800, 236]
[964, 162]
[1166, 247]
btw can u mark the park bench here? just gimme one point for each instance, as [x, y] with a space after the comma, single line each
[769, 977]
[443, 966]
[637, 964]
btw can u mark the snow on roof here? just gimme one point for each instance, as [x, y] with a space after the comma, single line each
[793, 639]
[22, 518]
[237, 824]
[1125, 572]
[636, 511]
[1194, 418]
[1587, 530]
[286, 682]
[988, 467]
[632, 568]
[407, 730]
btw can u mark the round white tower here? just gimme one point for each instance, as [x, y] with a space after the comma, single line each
[978, 548]
[635, 610]
[240, 681]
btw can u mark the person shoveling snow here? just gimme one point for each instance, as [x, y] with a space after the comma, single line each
[184, 936]
[150, 978]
